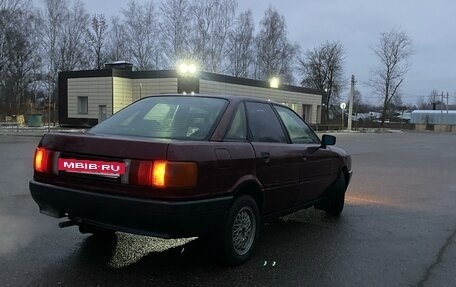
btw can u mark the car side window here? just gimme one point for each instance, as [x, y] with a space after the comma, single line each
[264, 124]
[299, 131]
[238, 127]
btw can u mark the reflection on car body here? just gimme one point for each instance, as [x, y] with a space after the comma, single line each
[209, 166]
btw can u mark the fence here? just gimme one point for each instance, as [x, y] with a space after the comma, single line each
[362, 125]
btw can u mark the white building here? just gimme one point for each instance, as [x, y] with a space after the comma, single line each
[87, 97]
[438, 120]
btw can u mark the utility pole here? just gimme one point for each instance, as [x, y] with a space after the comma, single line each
[446, 116]
[441, 108]
[49, 113]
[350, 105]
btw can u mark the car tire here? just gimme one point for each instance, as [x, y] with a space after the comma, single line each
[240, 231]
[336, 198]
[96, 231]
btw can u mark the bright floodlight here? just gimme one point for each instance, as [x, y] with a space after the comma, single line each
[274, 82]
[183, 68]
[192, 68]
[187, 69]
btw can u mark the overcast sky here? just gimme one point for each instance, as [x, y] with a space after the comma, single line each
[357, 24]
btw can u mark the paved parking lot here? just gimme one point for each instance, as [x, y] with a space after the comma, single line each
[398, 229]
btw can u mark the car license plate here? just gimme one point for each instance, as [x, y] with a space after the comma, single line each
[104, 168]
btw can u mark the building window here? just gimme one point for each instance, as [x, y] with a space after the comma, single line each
[83, 105]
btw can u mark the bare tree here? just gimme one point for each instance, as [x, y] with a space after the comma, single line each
[19, 55]
[213, 20]
[393, 51]
[9, 12]
[357, 101]
[421, 103]
[52, 16]
[433, 99]
[142, 34]
[5, 25]
[241, 45]
[322, 68]
[13, 6]
[63, 42]
[117, 44]
[275, 53]
[429, 102]
[176, 28]
[396, 102]
[96, 37]
[63, 33]
[73, 51]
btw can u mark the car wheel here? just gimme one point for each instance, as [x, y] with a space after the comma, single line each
[240, 230]
[336, 198]
[96, 231]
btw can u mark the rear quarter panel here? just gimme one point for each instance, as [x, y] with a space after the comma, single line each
[221, 165]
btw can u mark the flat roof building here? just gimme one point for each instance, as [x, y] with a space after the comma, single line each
[437, 120]
[90, 96]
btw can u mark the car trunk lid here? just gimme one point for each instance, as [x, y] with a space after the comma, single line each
[94, 148]
[106, 146]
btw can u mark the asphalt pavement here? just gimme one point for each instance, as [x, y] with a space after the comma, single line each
[398, 228]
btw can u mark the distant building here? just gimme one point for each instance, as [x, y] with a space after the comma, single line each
[434, 120]
[90, 96]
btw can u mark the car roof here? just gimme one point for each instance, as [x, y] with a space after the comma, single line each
[231, 98]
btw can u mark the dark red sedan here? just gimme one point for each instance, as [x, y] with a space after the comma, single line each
[179, 166]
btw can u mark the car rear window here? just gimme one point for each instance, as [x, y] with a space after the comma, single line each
[178, 117]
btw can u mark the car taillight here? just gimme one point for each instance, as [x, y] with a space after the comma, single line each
[159, 173]
[42, 161]
[163, 174]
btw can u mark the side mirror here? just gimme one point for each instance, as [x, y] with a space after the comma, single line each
[327, 140]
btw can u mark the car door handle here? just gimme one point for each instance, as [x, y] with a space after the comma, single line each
[265, 156]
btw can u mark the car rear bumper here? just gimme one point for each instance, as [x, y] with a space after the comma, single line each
[165, 219]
